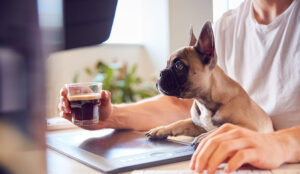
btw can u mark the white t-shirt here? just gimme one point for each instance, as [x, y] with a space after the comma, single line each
[264, 59]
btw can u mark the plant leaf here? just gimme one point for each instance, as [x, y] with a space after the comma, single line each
[108, 80]
[101, 67]
[89, 71]
[76, 76]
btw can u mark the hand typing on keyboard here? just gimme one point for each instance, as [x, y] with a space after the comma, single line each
[239, 146]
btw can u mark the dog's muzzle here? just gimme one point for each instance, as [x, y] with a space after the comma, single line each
[167, 83]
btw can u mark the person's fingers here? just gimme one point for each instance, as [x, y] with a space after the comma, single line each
[65, 116]
[222, 129]
[105, 106]
[61, 104]
[67, 105]
[64, 92]
[225, 150]
[205, 152]
[241, 157]
[64, 105]
[226, 127]
[105, 97]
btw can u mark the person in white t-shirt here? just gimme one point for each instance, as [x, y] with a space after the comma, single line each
[258, 45]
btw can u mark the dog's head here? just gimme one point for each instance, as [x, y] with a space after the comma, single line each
[189, 69]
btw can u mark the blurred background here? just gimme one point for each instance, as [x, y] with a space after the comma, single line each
[143, 35]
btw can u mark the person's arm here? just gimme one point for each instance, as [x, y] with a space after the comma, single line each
[143, 115]
[151, 112]
[239, 146]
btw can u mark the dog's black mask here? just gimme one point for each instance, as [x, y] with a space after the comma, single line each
[172, 79]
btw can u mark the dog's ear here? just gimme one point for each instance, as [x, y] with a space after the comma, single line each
[206, 45]
[193, 39]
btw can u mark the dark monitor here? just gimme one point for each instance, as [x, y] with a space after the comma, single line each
[87, 22]
[67, 24]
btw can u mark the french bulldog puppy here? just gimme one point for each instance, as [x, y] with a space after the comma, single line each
[192, 72]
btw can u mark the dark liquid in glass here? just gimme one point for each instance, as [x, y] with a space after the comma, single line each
[85, 108]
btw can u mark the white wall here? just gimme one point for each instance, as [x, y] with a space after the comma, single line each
[166, 25]
[156, 31]
[182, 14]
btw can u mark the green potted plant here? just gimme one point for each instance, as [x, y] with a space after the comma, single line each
[122, 82]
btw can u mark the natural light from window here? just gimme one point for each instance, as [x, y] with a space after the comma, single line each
[127, 26]
[221, 6]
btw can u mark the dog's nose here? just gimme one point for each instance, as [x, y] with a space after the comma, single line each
[161, 73]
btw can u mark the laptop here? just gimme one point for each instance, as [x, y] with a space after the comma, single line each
[114, 151]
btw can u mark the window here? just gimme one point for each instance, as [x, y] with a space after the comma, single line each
[127, 26]
[221, 6]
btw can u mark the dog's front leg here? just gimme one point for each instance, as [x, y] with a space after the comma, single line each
[182, 127]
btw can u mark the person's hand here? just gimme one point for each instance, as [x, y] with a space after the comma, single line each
[238, 146]
[105, 110]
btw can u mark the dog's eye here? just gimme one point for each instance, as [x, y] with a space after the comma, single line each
[179, 65]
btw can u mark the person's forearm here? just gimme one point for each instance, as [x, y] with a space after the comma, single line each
[150, 113]
[290, 139]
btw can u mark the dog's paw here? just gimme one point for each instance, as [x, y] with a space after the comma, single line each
[158, 133]
[199, 138]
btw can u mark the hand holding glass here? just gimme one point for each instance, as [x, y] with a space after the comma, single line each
[84, 99]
